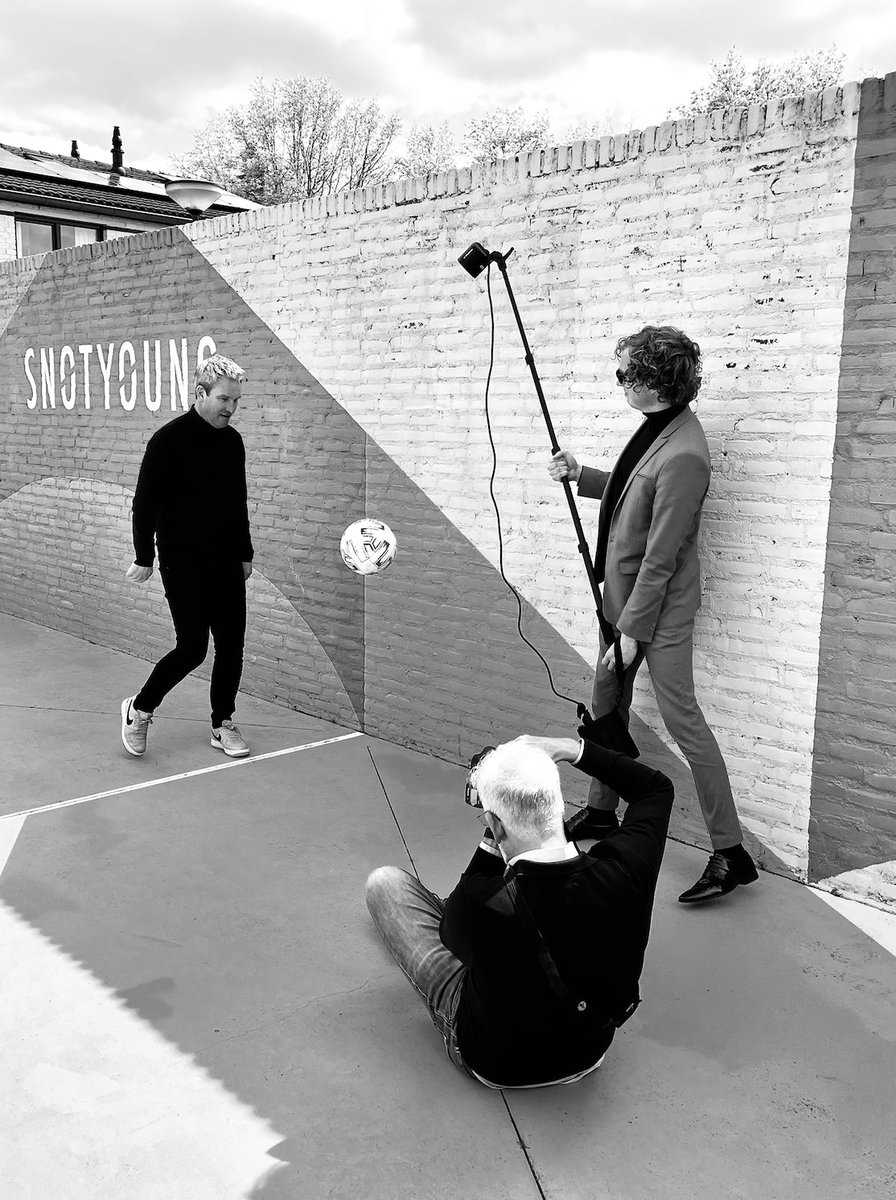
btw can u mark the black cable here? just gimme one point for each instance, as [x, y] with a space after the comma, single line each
[491, 489]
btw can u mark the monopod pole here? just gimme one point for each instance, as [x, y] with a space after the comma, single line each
[501, 260]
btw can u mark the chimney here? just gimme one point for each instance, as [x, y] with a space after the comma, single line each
[76, 153]
[117, 152]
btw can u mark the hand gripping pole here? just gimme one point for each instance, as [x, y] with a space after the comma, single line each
[614, 727]
[605, 626]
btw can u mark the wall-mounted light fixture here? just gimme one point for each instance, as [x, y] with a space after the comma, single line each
[195, 195]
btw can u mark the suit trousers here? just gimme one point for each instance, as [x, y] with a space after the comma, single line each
[670, 662]
[204, 597]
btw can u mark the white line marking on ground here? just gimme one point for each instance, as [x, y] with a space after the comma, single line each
[8, 835]
[148, 783]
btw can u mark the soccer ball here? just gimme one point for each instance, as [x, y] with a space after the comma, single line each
[368, 546]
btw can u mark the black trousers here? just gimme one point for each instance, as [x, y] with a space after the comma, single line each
[204, 597]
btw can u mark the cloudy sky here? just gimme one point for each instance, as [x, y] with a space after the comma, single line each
[73, 70]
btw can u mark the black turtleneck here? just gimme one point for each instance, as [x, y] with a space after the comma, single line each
[191, 495]
[643, 438]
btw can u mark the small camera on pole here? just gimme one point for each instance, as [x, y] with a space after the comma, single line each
[610, 730]
[474, 261]
[476, 258]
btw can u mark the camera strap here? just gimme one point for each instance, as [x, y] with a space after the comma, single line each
[542, 953]
[546, 959]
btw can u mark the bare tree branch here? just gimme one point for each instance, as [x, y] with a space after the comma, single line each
[293, 138]
[730, 85]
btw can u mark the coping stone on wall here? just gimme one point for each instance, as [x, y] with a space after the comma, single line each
[701, 128]
[684, 132]
[733, 124]
[665, 135]
[831, 103]
[21, 266]
[755, 119]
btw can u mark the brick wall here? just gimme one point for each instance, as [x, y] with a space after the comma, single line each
[89, 352]
[7, 236]
[735, 227]
[853, 826]
[69, 469]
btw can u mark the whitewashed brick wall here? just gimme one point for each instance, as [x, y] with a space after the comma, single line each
[740, 228]
[734, 228]
[7, 237]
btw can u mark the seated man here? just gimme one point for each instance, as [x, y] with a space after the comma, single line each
[533, 961]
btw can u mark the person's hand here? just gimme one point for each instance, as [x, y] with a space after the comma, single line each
[560, 749]
[137, 574]
[629, 648]
[247, 570]
[563, 465]
[487, 840]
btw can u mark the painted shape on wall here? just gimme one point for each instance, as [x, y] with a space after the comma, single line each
[280, 646]
[16, 287]
[88, 382]
[312, 470]
[853, 815]
[428, 654]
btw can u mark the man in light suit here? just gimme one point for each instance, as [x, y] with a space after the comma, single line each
[647, 560]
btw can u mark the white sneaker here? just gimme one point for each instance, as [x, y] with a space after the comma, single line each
[134, 727]
[228, 738]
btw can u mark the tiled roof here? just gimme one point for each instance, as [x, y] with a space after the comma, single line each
[33, 176]
[103, 200]
[81, 164]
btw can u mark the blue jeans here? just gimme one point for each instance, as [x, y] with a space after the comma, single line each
[407, 916]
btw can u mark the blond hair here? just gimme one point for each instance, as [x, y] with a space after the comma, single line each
[216, 367]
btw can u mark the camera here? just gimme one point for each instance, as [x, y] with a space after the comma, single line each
[475, 259]
[471, 795]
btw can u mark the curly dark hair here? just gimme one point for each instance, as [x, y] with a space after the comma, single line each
[664, 359]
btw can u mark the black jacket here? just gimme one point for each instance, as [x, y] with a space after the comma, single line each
[191, 495]
[594, 915]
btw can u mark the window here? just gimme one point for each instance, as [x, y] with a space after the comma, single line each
[78, 235]
[36, 237]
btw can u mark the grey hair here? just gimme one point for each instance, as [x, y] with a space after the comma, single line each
[520, 784]
[216, 367]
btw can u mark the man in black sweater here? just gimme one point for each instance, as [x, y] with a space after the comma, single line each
[191, 499]
[533, 961]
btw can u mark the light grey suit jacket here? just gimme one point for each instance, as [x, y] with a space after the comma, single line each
[652, 574]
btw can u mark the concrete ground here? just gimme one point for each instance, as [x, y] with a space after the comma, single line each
[196, 1005]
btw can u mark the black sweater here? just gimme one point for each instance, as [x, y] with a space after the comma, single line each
[594, 914]
[191, 495]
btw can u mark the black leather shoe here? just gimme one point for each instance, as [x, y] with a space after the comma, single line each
[582, 825]
[722, 875]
